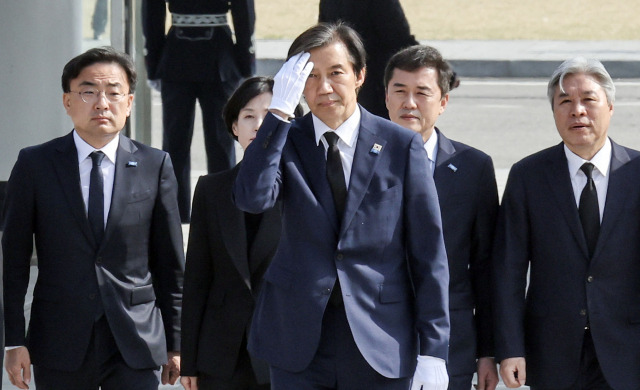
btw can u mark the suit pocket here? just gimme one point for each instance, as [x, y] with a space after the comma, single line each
[142, 294]
[393, 293]
[139, 196]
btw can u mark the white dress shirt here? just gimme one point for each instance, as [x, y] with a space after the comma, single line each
[347, 133]
[601, 161]
[108, 169]
[431, 146]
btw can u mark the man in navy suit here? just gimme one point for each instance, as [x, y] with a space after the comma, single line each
[570, 216]
[103, 211]
[418, 81]
[357, 290]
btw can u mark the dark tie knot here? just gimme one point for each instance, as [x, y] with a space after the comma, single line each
[332, 138]
[97, 157]
[587, 168]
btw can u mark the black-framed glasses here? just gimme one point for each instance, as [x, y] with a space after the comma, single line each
[92, 95]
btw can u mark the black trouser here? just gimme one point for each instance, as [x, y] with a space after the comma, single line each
[103, 368]
[178, 115]
[590, 376]
[338, 363]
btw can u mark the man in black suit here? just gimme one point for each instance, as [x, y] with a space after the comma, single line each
[570, 217]
[107, 301]
[418, 81]
[384, 30]
[197, 60]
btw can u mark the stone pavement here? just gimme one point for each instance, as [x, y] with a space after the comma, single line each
[501, 58]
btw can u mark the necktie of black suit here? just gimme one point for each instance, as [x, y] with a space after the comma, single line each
[335, 175]
[95, 210]
[589, 210]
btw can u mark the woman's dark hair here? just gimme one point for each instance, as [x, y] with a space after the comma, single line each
[106, 54]
[249, 89]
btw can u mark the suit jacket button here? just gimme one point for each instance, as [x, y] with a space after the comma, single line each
[583, 312]
[590, 279]
[99, 260]
[339, 256]
[326, 291]
[92, 296]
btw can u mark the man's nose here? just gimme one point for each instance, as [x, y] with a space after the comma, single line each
[409, 101]
[101, 100]
[325, 85]
[578, 109]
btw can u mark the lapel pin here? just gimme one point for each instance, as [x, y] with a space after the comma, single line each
[132, 164]
[452, 167]
[376, 149]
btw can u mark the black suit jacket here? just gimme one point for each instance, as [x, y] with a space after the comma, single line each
[199, 53]
[222, 277]
[384, 30]
[468, 195]
[539, 227]
[134, 276]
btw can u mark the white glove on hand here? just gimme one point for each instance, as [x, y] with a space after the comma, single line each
[289, 82]
[155, 84]
[431, 374]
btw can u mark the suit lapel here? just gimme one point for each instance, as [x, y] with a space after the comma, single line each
[313, 160]
[364, 165]
[618, 189]
[232, 226]
[446, 151]
[124, 181]
[66, 167]
[557, 174]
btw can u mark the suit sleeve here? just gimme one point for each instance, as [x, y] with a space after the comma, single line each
[510, 265]
[482, 241]
[166, 254]
[257, 186]
[426, 254]
[198, 278]
[17, 248]
[153, 27]
[244, 19]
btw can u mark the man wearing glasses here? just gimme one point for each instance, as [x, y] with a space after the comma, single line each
[103, 211]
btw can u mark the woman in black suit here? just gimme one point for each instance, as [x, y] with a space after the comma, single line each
[227, 254]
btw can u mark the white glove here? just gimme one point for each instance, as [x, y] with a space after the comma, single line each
[155, 84]
[289, 83]
[431, 374]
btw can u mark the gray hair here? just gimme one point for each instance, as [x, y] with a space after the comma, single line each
[586, 66]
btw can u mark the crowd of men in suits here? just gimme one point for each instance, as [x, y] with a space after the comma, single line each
[396, 267]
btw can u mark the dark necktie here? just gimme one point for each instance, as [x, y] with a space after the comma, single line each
[335, 174]
[95, 210]
[589, 210]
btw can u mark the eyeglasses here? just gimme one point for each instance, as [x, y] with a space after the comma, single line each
[92, 95]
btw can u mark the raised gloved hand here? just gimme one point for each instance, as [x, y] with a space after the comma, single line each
[431, 374]
[289, 83]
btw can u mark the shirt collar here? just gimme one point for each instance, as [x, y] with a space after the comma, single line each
[84, 149]
[601, 160]
[347, 131]
[431, 146]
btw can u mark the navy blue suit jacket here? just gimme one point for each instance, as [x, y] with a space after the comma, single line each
[539, 227]
[468, 194]
[135, 274]
[388, 253]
